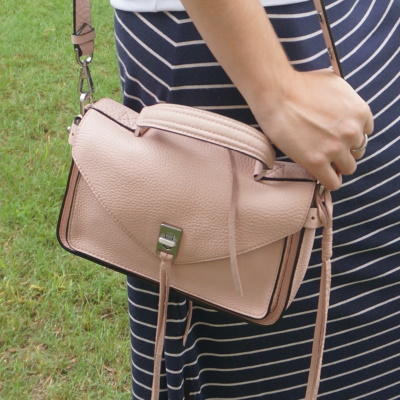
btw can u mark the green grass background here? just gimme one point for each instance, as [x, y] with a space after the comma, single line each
[64, 328]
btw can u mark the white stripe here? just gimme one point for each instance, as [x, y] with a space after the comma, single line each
[299, 38]
[383, 304]
[359, 45]
[373, 204]
[370, 189]
[142, 323]
[202, 87]
[140, 383]
[136, 396]
[135, 366]
[345, 16]
[131, 78]
[178, 21]
[389, 344]
[371, 156]
[392, 103]
[161, 59]
[358, 383]
[359, 327]
[216, 384]
[138, 289]
[379, 391]
[373, 233]
[164, 36]
[292, 16]
[308, 59]
[133, 334]
[139, 64]
[151, 309]
[347, 344]
[136, 351]
[255, 396]
[355, 29]
[376, 74]
[271, 363]
[364, 294]
[374, 261]
[268, 378]
[375, 54]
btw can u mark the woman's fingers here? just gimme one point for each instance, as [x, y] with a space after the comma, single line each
[318, 123]
[329, 177]
[369, 125]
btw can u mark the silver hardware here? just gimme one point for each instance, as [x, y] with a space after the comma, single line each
[85, 87]
[85, 100]
[85, 82]
[89, 59]
[80, 61]
[85, 77]
[321, 17]
[169, 239]
[76, 121]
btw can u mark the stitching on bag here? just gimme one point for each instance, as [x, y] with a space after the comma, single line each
[216, 119]
[127, 119]
[228, 122]
[142, 246]
[233, 124]
[257, 152]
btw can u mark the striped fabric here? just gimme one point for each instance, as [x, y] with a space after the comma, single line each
[163, 59]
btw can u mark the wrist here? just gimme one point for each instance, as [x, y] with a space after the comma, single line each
[269, 95]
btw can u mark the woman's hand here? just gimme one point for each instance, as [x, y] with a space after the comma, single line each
[316, 119]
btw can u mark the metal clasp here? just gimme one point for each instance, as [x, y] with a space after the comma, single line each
[85, 82]
[169, 239]
[85, 86]
[85, 77]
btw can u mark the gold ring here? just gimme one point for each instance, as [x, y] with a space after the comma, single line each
[363, 145]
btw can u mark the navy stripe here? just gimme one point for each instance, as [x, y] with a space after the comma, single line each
[163, 59]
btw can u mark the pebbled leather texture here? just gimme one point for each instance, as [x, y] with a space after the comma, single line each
[95, 223]
[246, 243]
[128, 185]
[207, 126]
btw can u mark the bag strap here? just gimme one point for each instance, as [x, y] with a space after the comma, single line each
[83, 40]
[328, 37]
[84, 34]
[208, 127]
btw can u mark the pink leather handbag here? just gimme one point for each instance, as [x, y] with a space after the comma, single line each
[195, 202]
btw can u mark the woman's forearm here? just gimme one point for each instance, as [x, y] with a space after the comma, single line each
[314, 117]
[243, 40]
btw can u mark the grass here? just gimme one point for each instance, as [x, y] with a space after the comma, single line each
[63, 321]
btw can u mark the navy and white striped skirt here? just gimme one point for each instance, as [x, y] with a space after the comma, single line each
[163, 59]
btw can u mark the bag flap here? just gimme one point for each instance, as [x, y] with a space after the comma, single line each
[162, 177]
